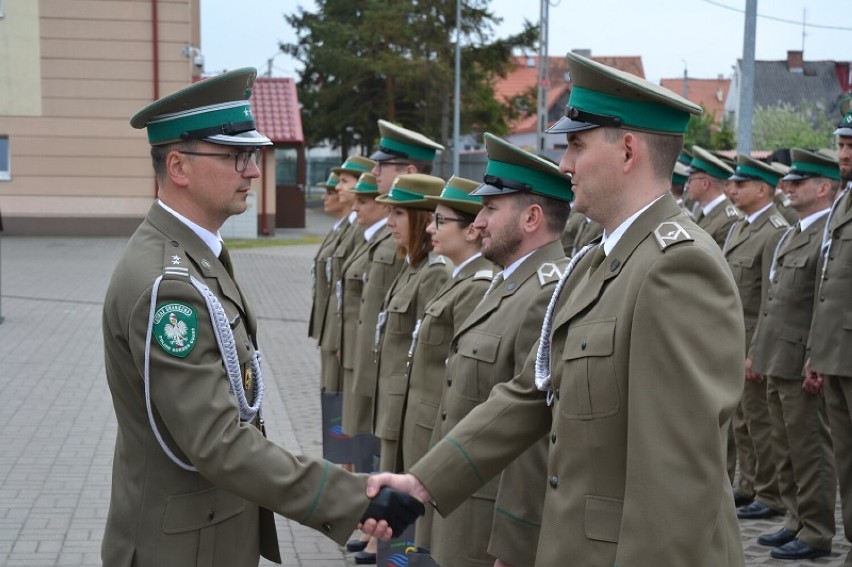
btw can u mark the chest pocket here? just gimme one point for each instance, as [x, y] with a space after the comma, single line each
[479, 351]
[400, 317]
[740, 265]
[435, 332]
[588, 386]
[381, 272]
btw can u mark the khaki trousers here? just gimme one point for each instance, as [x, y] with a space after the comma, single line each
[838, 400]
[753, 434]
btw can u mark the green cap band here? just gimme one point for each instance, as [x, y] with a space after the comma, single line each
[173, 127]
[409, 150]
[709, 168]
[451, 192]
[749, 171]
[332, 181]
[353, 165]
[642, 115]
[541, 182]
[364, 187]
[402, 195]
[817, 169]
[678, 179]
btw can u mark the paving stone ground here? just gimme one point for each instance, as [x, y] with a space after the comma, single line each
[57, 428]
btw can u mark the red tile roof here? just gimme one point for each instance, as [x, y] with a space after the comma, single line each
[524, 76]
[709, 92]
[276, 109]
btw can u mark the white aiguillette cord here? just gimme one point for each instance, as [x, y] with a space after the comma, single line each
[227, 347]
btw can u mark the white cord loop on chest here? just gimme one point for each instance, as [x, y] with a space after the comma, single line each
[542, 359]
[230, 358]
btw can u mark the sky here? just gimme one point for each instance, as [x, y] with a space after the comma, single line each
[703, 37]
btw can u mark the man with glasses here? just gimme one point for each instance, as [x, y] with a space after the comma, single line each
[401, 151]
[705, 185]
[195, 480]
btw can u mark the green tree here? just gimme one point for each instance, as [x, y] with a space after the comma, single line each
[785, 126]
[394, 59]
[703, 131]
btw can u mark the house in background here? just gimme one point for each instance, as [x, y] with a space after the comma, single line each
[793, 81]
[523, 79]
[72, 73]
[709, 93]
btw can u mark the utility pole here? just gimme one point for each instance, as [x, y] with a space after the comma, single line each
[746, 110]
[457, 103]
[543, 77]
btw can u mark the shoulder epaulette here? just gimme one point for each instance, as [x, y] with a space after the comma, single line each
[548, 272]
[778, 221]
[484, 275]
[175, 261]
[436, 259]
[732, 212]
[669, 233]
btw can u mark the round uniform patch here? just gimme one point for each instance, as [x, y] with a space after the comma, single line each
[176, 328]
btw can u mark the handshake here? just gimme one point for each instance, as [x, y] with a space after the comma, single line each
[396, 501]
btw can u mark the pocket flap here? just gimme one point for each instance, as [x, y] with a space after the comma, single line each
[603, 518]
[742, 261]
[798, 262]
[480, 346]
[197, 510]
[385, 256]
[593, 338]
[436, 308]
[399, 304]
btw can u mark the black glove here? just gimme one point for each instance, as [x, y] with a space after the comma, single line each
[397, 508]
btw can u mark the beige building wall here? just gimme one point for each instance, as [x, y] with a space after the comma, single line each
[72, 72]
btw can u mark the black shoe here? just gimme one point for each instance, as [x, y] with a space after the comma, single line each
[797, 549]
[778, 538]
[741, 499]
[354, 545]
[365, 558]
[756, 511]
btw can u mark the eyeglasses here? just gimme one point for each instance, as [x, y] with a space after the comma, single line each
[695, 178]
[241, 158]
[441, 219]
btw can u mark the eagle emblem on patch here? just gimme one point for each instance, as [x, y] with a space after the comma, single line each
[731, 212]
[669, 233]
[176, 328]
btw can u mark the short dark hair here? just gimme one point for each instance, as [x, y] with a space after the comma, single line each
[664, 148]
[159, 153]
[422, 166]
[555, 211]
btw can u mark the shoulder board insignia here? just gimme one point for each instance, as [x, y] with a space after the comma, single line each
[436, 259]
[548, 273]
[778, 221]
[484, 275]
[732, 212]
[669, 233]
[175, 261]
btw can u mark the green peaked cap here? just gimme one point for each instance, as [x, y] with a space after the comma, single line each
[331, 182]
[702, 160]
[511, 169]
[811, 164]
[411, 189]
[401, 143]
[366, 185]
[680, 174]
[355, 165]
[749, 169]
[605, 96]
[457, 195]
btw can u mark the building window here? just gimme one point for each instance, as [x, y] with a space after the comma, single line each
[5, 171]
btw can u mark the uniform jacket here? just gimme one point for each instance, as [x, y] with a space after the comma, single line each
[637, 420]
[718, 223]
[572, 227]
[404, 305]
[588, 231]
[831, 331]
[749, 249]
[779, 345]
[161, 515]
[444, 314]
[322, 284]
[488, 348]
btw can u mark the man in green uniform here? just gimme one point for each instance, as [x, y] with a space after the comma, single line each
[525, 204]
[636, 423]
[194, 477]
[800, 434]
[749, 249]
[706, 183]
[401, 151]
[830, 365]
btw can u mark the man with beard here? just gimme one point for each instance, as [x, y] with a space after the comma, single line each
[830, 365]
[525, 205]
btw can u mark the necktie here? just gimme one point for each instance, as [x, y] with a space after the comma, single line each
[498, 279]
[597, 257]
[225, 258]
